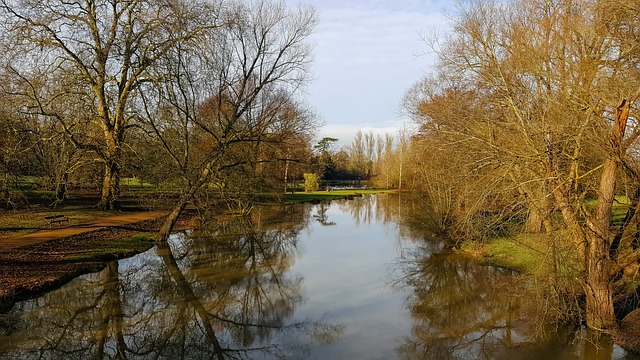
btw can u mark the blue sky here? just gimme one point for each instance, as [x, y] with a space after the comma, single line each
[367, 54]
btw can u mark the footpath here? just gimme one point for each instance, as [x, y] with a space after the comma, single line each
[41, 236]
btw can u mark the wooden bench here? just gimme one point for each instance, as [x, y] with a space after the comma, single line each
[55, 219]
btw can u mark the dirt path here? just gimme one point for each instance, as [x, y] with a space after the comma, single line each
[65, 231]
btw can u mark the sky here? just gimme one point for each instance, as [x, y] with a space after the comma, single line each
[367, 54]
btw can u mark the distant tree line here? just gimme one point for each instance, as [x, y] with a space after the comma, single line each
[376, 160]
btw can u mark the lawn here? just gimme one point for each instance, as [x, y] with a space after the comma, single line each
[309, 196]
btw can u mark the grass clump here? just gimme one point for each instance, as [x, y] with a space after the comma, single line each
[518, 253]
[541, 255]
[114, 249]
[144, 237]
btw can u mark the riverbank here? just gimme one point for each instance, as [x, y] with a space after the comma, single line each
[28, 271]
[534, 254]
[314, 196]
[34, 269]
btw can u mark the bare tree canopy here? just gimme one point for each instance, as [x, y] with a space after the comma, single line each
[533, 111]
[85, 61]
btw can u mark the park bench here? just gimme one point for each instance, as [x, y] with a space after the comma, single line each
[55, 219]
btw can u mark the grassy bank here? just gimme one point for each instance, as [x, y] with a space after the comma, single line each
[312, 196]
[25, 221]
[80, 206]
[541, 255]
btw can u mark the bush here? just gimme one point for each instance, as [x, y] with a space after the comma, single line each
[311, 182]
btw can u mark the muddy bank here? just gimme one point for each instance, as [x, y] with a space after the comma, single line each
[31, 270]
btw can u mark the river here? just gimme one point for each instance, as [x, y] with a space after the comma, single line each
[338, 280]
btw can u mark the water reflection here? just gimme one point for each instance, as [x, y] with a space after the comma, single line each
[462, 310]
[360, 209]
[456, 311]
[321, 214]
[228, 296]
[297, 282]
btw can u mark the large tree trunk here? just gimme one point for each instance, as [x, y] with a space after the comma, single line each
[598, 264]
[110, 196]
[598, 288]
[61, 187]
[593, 251]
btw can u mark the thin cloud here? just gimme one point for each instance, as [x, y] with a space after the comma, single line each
[365, 59]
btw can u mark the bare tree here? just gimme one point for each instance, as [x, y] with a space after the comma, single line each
[358, 154]
[230, 97]
[101, 52]
[538, 98]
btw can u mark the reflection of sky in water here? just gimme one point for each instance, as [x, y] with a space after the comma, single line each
[346, 273]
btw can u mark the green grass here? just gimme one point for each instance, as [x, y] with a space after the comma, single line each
[14, 223]
[531, 254]
[136, 183]
[308, 196]
[142, 237]
[618, 210]
[522, 253]
[107, 251]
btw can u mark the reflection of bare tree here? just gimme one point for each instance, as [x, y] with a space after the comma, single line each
[111, 314]
[228, 296]
[164, 251]
[361, 208]
[85, 321]
[461, 310]
[252, 268]
[457, 312]
[321, 215]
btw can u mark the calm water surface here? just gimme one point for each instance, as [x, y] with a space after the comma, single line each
[339, 280]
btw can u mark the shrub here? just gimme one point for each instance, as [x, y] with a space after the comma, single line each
[311, 182]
